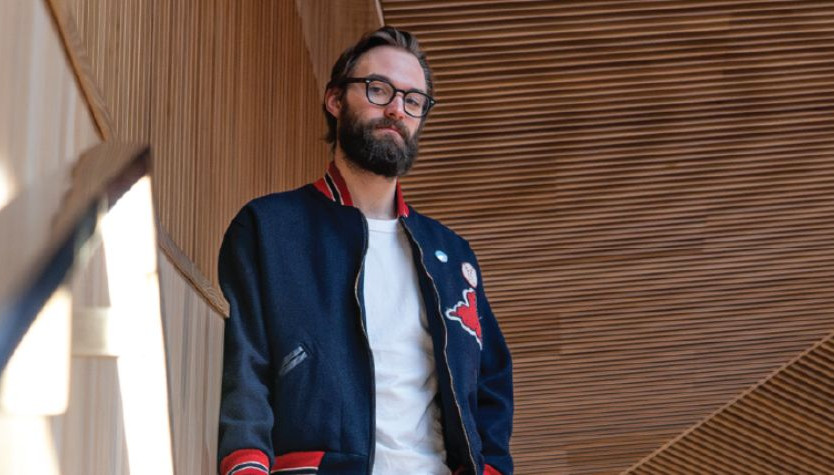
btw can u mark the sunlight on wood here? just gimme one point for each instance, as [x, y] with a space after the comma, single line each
[36, 380]
[129, 240]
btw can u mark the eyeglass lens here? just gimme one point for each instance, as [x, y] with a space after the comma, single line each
[382, 93]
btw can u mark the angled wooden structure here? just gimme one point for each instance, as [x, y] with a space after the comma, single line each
[783, 424]
[648, 186]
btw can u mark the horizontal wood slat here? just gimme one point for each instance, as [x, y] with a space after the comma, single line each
[650, 190]
[782, 423]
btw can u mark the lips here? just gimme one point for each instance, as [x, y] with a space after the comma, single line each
[391, 129]
[389, 125]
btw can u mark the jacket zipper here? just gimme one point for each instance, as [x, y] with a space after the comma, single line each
[372, 447]
[445, 346]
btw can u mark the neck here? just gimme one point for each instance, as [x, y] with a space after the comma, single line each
[372, 194]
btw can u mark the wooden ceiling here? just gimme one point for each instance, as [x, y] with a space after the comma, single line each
[782, 425]
[648, 185]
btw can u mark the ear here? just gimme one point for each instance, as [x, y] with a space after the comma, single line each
[332, 101]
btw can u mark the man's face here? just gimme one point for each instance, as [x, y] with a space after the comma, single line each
[381, 139]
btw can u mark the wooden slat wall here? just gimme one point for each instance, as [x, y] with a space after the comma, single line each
[783, 425]
[230, 122]
[225, 94]
[46, 123]
[90, 436]
[44, 119]
[194, 337]
[649, 188]
[330, 27]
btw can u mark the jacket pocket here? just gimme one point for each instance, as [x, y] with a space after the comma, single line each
[292, 360]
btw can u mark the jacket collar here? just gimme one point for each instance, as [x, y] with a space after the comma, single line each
[333, 186]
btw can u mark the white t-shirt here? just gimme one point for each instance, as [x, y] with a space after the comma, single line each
[409, 435]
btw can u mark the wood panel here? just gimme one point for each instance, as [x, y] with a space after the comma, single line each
[330, 27]
[224, 93]
[783, 424]
[45, 123]
[226, 96]
[194, 341]
[90, 437]
[648, 186]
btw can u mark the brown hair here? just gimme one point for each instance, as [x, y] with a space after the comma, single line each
[343, 69]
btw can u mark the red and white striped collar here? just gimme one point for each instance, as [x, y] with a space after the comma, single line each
[333, 186]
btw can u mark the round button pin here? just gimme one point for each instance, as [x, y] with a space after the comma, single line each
[441, 256]
[470, 274]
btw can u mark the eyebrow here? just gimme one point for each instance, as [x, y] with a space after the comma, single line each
[382, 77]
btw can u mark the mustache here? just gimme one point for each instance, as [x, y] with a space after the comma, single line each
[385, 122]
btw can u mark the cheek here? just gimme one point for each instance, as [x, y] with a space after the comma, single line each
[414, 128]
[368, 115]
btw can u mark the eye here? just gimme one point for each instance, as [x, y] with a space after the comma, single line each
[414, 100]
[379, 89]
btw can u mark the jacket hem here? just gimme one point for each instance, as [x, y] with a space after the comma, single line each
[297, 463]
[245, 462]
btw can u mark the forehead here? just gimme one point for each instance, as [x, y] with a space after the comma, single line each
[399, 66]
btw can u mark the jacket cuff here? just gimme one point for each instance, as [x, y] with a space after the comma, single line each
[245, 462]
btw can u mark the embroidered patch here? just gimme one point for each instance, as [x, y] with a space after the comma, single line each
[441, 256]
[465, 312]
[470, 274]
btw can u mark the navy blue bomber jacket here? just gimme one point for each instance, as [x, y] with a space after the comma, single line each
[298, 384]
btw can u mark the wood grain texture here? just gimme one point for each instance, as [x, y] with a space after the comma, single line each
[224, 93]
[330, 27]
[194, 337]
[48, 215]
[90, 436]
[648, 186]
[66, 25]
[188, 271]
[781, 424]
[45, 123]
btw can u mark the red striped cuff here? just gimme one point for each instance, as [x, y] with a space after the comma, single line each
[297, 461]
[245, 462]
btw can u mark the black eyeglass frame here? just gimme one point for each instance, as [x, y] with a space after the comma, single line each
[369, 80]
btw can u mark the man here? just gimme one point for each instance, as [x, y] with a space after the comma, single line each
[359, 338]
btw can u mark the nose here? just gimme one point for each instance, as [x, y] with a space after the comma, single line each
[395, 109]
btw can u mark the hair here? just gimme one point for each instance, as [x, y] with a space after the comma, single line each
[345, 65]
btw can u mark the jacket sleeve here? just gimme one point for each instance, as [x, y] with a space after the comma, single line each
[495, 393]
[246, 418]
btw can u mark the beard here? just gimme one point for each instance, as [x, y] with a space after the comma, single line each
[383, 156]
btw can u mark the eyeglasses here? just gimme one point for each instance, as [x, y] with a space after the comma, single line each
[381, 92]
